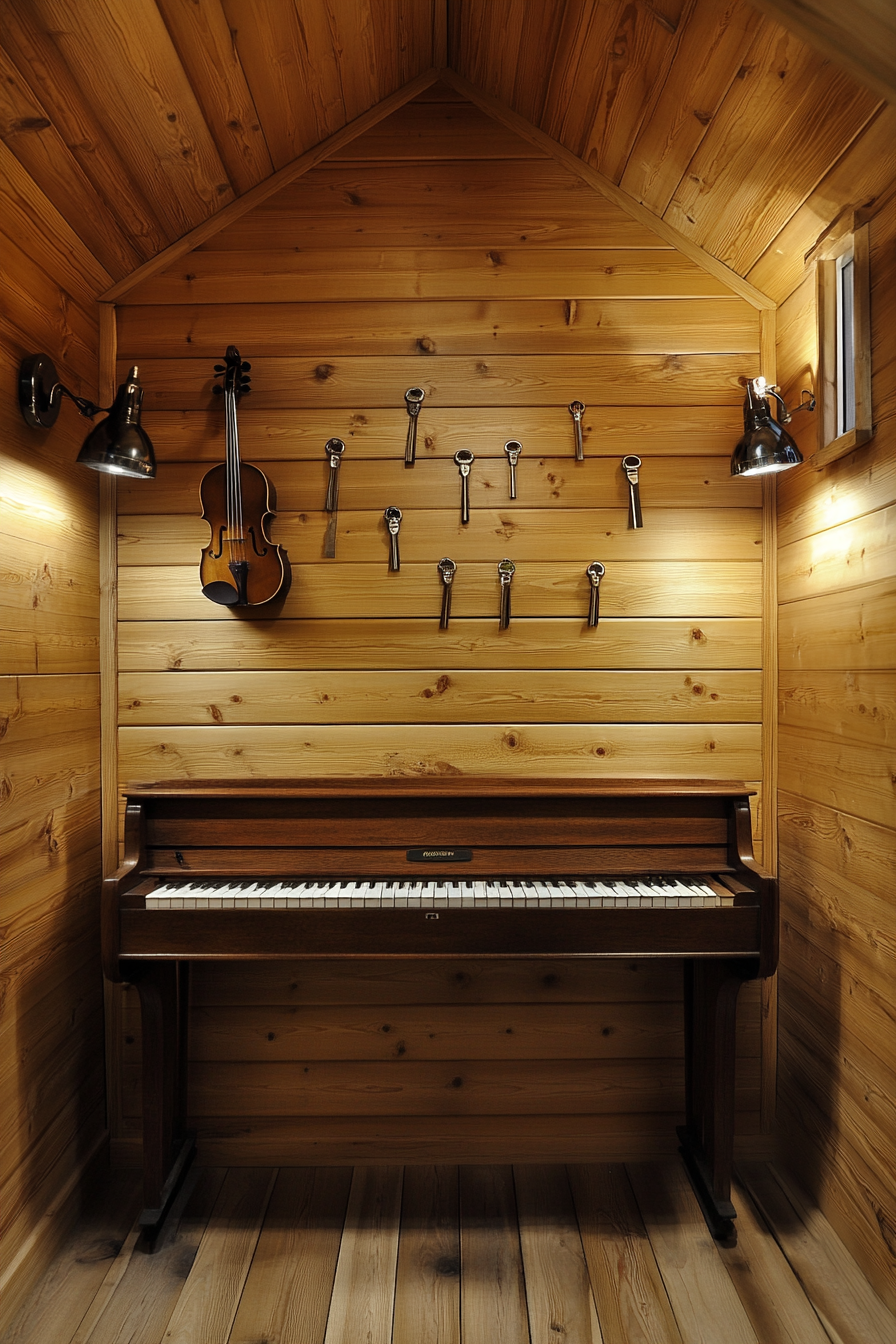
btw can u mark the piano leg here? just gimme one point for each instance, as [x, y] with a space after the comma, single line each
[707, 1138]
[168, 1147]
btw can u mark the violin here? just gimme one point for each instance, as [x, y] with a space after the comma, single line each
[240, 567]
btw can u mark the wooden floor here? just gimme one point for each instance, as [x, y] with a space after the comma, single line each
[478, 1255]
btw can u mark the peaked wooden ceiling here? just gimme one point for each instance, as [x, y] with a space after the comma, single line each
[140, 119]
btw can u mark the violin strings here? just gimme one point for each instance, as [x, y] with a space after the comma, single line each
[234, 493]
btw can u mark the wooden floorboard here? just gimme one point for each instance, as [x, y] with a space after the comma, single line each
[589, 1254]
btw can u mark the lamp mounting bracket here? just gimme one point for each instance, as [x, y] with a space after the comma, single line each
[41, 393]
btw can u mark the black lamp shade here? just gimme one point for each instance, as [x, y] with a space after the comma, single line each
[765, 447]
[118, 445]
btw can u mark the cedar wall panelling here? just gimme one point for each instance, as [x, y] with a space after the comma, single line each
[837, 589]
[506, 288]
[51, 992]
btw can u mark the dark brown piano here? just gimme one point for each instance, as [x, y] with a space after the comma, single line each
[441, 866]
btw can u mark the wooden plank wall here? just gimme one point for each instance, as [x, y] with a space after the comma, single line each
[51, 993]
[441, 250]
[837, 1063]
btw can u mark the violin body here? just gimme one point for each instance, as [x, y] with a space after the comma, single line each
[241, 566]
[267, 572]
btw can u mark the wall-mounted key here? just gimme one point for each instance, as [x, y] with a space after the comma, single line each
[595, 572]
[333, 448]
[464, 459]
[513, 449]
[631, 466]
[577, 410]
[506, 571]
[447, 570]
[393, 523]
[413, 400]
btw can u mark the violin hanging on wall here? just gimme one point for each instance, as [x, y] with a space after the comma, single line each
[241, 566]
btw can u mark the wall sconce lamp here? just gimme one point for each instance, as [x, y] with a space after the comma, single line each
[117, 445]
[765, 445]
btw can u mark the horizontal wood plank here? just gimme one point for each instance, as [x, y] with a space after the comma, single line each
[493, 1087]
[811, 502]
[511, 1031]
[453, 380]
[458, 981]
[850, 776]
[317, 274]
[844, 557]
[462, 203]
[853, 629]
[378, 432]
[147, 699]
[632, 588]
[424, 327]
[542, 482]
[857, 705]
[724, 751]
[526, 535]
[192, 646]
[821, 936]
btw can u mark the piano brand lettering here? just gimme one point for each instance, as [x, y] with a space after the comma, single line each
[439, 855]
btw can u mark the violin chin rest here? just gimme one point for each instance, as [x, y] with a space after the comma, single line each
[225, 594]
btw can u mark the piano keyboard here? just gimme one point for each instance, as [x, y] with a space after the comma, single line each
[649, 892]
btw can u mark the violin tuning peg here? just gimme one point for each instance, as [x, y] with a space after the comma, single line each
[220, 368]
[217, 390]
[245, 367]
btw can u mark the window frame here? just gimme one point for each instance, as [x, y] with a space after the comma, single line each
[833, 441]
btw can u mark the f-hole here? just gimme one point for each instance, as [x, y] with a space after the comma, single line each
[264, 551]
[216, 555]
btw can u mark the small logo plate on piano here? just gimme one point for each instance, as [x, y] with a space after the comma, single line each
[446, 855]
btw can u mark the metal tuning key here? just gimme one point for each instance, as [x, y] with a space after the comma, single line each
[333, 448]
[595, 572]
[577, 410]
[413, 400]
[506, 571]
[447, 570]
[464, 459]
[393, 523]
[631, 465]
[513, 449]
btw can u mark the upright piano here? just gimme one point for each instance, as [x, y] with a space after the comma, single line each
[441, 867]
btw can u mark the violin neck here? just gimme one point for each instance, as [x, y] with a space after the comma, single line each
[234, 486]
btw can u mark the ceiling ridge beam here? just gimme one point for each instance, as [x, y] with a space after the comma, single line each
[270, 186]
[524, 128]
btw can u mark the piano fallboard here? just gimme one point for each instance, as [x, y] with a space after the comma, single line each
[235, 935]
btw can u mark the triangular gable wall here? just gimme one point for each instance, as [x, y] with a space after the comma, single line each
[518, 126]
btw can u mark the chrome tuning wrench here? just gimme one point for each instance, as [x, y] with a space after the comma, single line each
[413, 400]
[631, 466]
[595, 572]
[513, 449]
[447, 570]
[464, 459]
[577, 410]
[333, 448]
[506, 571]
[393, 523]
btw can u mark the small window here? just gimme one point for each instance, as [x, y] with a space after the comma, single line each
[844, 346]
[846, 383]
